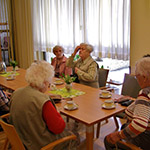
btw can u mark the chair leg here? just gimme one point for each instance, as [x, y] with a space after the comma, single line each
[67, 119]
[106, 120]
[116, 123]
[98, 130]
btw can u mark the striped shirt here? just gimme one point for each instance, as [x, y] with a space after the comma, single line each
[138, 114]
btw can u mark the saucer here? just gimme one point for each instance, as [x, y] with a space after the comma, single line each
[58, 82]
[106, 107]
[9, 79]
[101, 96]
[73, 108]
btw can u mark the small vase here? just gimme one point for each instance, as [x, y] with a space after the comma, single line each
[68, 87]
[14, 68]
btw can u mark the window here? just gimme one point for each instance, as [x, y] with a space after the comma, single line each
[103, 23]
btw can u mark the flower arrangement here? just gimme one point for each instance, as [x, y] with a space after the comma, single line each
[68, 79]
[13, 63]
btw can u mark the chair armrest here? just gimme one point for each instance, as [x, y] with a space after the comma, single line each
[53, 144]
[114, 82]
[130, 145]
[107, 89]
[5, 116]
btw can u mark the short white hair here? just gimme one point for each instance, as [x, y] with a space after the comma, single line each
[142, 67]
[38, 73]
[57, 47]
[88, 47]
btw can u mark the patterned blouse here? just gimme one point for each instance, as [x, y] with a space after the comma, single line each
[4, 102]
[138, 114]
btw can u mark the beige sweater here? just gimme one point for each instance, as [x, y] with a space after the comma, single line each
[88, 74]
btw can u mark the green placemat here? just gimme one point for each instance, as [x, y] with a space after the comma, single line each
[9, 73]
[65, 94]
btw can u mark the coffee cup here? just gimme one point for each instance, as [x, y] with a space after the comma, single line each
[70, 104]
[11, 76]
[53, 87]
[105, 93]
[109, 103]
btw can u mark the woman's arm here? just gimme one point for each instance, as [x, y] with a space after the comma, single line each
[90, 75]
[140, 119]
[53, 120]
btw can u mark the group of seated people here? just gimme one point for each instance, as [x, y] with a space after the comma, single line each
[35, 116]
[85, 68]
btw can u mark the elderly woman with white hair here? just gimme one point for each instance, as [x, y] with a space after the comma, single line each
[59, 62]
[33, 113]
[137, 130]
[85, 67]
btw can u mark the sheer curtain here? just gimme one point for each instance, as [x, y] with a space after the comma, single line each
[103, 23]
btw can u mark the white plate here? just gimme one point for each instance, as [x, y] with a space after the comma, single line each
[58, 83]
[73, 108]
[101, 96]
[106, 107]
[9, 79]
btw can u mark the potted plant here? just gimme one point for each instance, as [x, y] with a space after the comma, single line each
[68, 80]
[13, 63]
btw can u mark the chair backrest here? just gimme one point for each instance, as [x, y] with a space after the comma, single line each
[13, 137]
[103, 75]
[15, 141]
[130, 86]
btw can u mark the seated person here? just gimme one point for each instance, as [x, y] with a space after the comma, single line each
[85, 67]
[137, 130]
[34, 114]
[4, 102]
[59, 62]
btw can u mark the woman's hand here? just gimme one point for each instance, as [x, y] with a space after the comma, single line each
[113, 137]
[76, 70]
[76, 50]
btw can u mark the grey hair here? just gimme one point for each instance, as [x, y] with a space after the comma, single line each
[56, 47]
[89, 47]
[142, 67]
[38, 73]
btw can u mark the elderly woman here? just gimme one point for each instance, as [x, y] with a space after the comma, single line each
[59, 62]
[86, 68]
[33, 113]
[137, 130]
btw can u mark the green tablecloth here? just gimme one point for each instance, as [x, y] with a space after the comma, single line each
[9, 73]
[65, 94]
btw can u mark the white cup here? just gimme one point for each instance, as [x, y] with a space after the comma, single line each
[70, 104]
[109, 103]
[105, 93]
[53, 87]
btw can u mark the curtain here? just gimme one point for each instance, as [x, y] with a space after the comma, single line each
[22, 31]
[103, 23]
[4, 30]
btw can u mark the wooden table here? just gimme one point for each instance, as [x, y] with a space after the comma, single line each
[18, 82]
[90, 111]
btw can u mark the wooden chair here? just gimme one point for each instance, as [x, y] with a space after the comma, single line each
[102, 79]
[15, 141]
[130, 86]
[103, 75]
